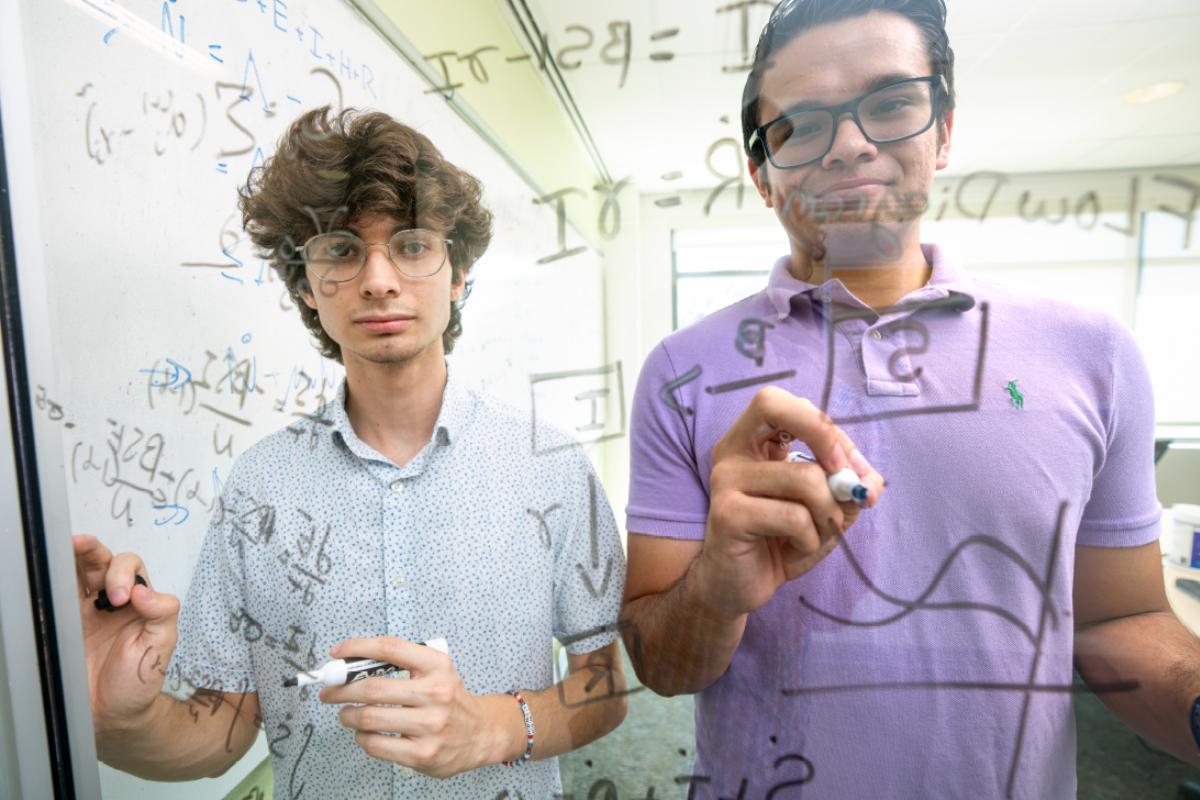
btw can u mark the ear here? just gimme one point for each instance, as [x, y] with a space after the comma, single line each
[307, 296]
[457, 286]
[945, 127]
[758, 174]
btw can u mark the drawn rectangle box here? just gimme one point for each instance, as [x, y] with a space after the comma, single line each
[587, 404]
[968, 404]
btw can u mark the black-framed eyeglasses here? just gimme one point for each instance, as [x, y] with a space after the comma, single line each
[891, 113]
[339, 256]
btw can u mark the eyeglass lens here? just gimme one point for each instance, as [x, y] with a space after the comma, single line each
[339, 256]
[887, 115]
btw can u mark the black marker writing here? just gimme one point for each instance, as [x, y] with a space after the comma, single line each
[603, 383]
[586, 44]
[243, 690]
[1188, 216]
[610, 210]
[293, 793]
[735, 177]
[594, 539]
[599, 666]
[54, 411]
[667, 392]
[752, 339]
[560, 211]
[743, 8]
[899, 356]
[543, 526]
[287, 733]
[251, 630]
[616, 50]
[594, 395]
[447, 87]
[748, 382]
[306, 574]
[1085, 209]
[619, 47]
[955, 302]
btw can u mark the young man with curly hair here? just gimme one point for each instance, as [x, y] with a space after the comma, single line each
[921, 646]
[396, 516]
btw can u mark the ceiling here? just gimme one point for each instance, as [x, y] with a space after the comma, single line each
[1040, 83]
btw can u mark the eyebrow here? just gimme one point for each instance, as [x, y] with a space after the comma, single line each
[356, 229]
[878, 82]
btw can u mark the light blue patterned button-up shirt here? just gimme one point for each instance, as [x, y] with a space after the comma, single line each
[319, 538]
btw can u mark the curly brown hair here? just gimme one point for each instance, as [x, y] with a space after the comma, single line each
[332, 169]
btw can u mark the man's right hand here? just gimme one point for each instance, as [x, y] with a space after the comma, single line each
[127, 648]
[771, 520]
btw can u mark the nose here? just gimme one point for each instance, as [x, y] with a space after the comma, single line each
[379, 277]
[850, 144]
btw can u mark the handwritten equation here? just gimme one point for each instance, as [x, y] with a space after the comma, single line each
[613, 47]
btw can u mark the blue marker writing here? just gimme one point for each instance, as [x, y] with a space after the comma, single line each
[844, 483]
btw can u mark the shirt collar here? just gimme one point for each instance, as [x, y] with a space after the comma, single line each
[457, 404]
[945, 281]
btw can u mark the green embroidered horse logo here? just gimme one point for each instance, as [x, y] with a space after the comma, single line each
[1014, 394]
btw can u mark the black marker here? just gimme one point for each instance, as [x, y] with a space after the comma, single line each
[348, 670]
[104, 604]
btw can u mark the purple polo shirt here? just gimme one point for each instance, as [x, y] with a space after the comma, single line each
[900, 665]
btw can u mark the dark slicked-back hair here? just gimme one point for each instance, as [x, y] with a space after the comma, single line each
[793, 17]
[331, 170]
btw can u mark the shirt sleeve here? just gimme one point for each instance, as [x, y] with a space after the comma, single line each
[212, 652]
[667, 496]
[589, 564]
[1123, 510]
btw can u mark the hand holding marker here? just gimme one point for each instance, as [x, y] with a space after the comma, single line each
[845, 483]
[104, 604]
[348, 670]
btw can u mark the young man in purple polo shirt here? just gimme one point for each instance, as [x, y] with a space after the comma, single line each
[923, 647]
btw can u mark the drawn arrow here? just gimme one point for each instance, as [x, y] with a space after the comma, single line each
[667, 393]
[594, 535]
[587, 581]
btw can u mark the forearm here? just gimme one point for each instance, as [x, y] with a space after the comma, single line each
[169, 743]
[678, 642]
[1163, 657]
[587, 704]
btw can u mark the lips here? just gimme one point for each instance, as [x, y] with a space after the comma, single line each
[847, 186]
[385, 323]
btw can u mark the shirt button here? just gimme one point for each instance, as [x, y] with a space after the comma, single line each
[397, 485]
[876, 335]
[398, 582]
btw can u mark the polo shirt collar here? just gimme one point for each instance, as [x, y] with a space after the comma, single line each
[451, 420]
[945, 281]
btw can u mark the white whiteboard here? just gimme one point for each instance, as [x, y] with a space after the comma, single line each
[173, 347]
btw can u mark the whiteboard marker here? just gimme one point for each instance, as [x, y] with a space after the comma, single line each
[348, 670]
[844, 483]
